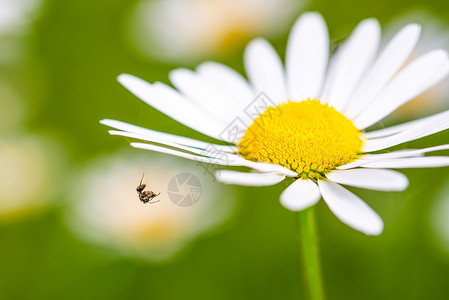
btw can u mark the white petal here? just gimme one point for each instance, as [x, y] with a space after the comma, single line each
[307, 56]
[300, 195]
[169, 102]
[390, 60]
[388, 131]
[229, 81]
[266, 167]
[357, 163]
[148, 134]
[370, 158]
[380, 180]
[211, 150]
[413, 80]
[355, 56]
[350, 209]
[227, 159]
[265, 70]
[409, 152]
[410, 162]
[248, 179]
[403, 126]
[425, 127]
[204, 94]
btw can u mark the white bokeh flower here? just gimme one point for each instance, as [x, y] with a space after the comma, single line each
[16, 14]
[15, 19]
[29, 166]
[316, 133]
[190, 29]
[107, 211]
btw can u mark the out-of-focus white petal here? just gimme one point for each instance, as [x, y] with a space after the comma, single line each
[248, 179]
[306, 57]
[350, 209]
[390, 60]
[413, 80]
[229, 81]
[355, 56]
[204, 94]
[171, 103]
[265, 70]
[380, 180]
[300, 195]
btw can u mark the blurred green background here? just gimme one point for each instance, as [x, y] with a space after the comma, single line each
[66, 77]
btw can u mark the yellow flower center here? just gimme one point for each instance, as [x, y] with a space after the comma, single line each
[307, 137]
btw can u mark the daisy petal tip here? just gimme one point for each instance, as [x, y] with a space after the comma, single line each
[256, 45]
[403, 185]
[258, 40]
[291, 205]
[294, 205]
[115, 132]
[178, 74]
[136, 145]
[371, 22]
[350, 209]
[414, 28]
[311, 16]
[300, 195]
[221, 177]
[205, 65]
[124, 78]
[373, 227]
[108, 122]
[441, 54]
[376, 229]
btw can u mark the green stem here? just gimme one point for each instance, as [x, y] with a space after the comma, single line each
[310, 255]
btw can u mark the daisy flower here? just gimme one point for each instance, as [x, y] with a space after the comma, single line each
[314, 131]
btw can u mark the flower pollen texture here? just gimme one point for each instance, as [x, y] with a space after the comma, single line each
[307, 137]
